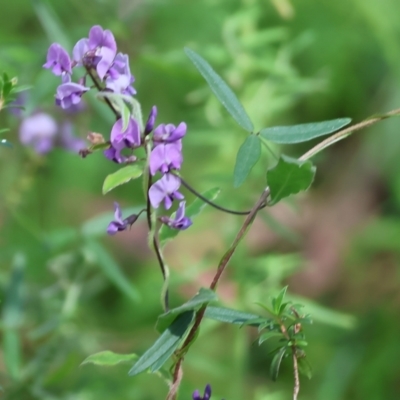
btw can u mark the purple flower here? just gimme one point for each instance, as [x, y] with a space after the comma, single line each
[180, 222]
[38, 131]
[165, 189]
[206, 396]
[130, 137]
[119, 78]
[68, 140]
[151, 120]
[120, 224]
[69, 94]
[169, 133]
[58, 60]
[164, 157]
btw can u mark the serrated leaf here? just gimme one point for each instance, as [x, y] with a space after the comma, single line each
[221, 90]
[108, 358]
[165, 345]
[277, 301]
[122, 176]
[111, 269]
[191, 211]
[230, 315]
[268, 335]
[204, 296]
[304, 367]
[303, 132]
[289, 177]
[276, 363]
[247, 156]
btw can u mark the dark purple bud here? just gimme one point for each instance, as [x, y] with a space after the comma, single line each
[69, 94]
[120, 224]
[206, 396]
[165, 189]
[151, 121]
[58, 60]
[38, 131]
[180, 221]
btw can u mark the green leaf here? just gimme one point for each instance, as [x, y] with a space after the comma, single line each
[122, 176]
[288, 177]
[125, 114]
[204, 296]
[304, 367]
[99, 146]
[268, 335]
[6, 143]
[111, 269]
[277, 301]
[97, 226]
[194, 209]
[303, 132]
[246, 158]
[221, 90]
[108, 358]
[165, 345]
[230, 315]
[276, 363]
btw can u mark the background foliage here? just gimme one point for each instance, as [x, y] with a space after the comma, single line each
[68, 291]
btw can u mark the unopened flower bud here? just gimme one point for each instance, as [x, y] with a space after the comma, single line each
[95, 138]
[151, 121]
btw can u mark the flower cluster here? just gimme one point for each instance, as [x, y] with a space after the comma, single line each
[166, 157]
[97, 54]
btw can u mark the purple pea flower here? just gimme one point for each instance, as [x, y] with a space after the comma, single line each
[120, 224]
[39, 131]
[69, 94]
[206, 396]
[169, 133]
[58, 60]
[164, 157]
[151, 121]
[165, 189]
[130, 137]
[119, 78]
[180, 221]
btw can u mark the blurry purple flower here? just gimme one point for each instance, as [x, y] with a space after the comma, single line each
[68, 140]
[69, 94]
[180, 222]
[119, 78]
[169, 133]
[165, 189]
[58, 60]
[38, 131]
[151, 121]
[129, 138]
[164, 157]
[206, 396]
[120, 224]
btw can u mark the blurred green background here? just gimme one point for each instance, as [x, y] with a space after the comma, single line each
[68, 291]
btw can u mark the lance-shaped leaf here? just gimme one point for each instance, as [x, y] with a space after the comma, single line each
[221, 90]
[108, 358]
[276, 363]
[246, 158]
[303, 132]
[288, 177]
[304, 367]
[165, 345]
[204, 296]
[231, 316]
[194, 209]
[122, 176]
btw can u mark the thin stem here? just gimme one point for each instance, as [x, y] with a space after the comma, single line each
[345, 132]
[296, 388]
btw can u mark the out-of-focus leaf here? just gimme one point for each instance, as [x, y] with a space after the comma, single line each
[277, 301]
[122, 176]
[97, 226]
[303, 132]
[221, 90]
[231, 316]
[165, 345]
[204, 296]
[268, 335]
[304, 367]
[194, 209]
[111, 269]
[6, 143]
[289, 177]
[108, 358]
[247, 156]
[276, 363]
